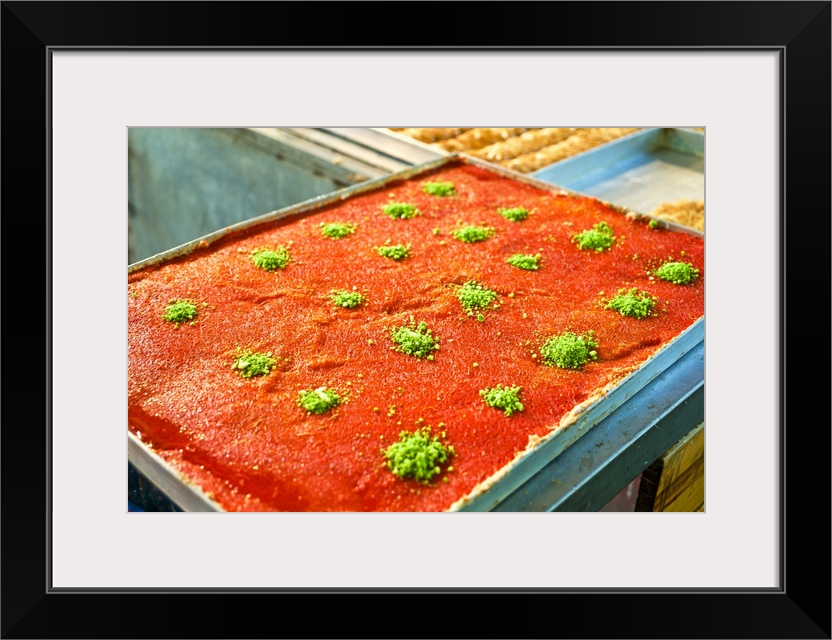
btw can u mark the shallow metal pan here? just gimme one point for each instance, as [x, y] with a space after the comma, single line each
[190, 498]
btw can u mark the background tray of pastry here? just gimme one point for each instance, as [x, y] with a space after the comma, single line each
[658, 171]
[520, 149]
[510, 478]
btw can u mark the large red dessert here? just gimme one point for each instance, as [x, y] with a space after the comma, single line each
[247, 443]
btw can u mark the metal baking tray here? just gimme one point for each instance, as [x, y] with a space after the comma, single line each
[188, 497]
[639, 171]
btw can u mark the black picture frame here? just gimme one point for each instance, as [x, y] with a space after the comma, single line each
[799, 608]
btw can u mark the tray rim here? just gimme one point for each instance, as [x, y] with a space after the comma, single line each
[576, 164]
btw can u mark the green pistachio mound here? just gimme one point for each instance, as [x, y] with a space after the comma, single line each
[394, 251]
[472, 233]
[599, 238]
[504, 398]
[252, 363]
[180, 311]
[677, 272]
[441, 189]
[271, 259]
[347, 299]
[417, 455]
[569, 350]
[319, 400]
[472, 295]
[515, 214]
[524, 261]
[338, 229]
[633, 303]
[400, 210]
[415, 340]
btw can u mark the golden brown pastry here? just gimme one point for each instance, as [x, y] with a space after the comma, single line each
[581, 140]
[479, 137]
[690, 213]
[429, 135]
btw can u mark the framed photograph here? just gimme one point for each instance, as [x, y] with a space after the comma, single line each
[78, 76]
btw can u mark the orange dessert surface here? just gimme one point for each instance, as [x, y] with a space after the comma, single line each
[248, 443]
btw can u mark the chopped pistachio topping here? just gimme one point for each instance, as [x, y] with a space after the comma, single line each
[653, 224]
[338, 229]
[271, 259]
[401, 210]
[633, 303]
[251, 363]
[180, 311]
[472, 295]
[417, 455]
[677, 272]
[394, 252]
[439, 188]
[472, 233]
[504, 398]
[515, 214]
[524, 261]
[415, 340]
[599, 238]
[569, 350]
[319, 400]
[347, 299]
